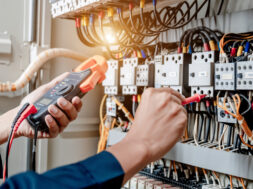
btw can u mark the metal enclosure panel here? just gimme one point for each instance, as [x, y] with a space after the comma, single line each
[203, 157]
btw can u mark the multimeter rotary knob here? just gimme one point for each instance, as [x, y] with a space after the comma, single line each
[64, 89]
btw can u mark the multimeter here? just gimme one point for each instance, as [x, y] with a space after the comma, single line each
[77, 83]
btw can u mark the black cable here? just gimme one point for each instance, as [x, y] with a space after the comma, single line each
[82, 39]
[229, 136]
[220, 7]
[209, 120]
[23, 108]
[208, 9]
[249, 104]
[34, 149]
[201, 126]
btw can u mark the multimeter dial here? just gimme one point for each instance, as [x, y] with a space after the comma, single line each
[64, 89]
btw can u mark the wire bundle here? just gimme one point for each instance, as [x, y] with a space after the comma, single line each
[136, 34]
[236, 47]
[199, 37]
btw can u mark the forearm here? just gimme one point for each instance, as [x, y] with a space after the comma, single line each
[132, 156]
[5, 124]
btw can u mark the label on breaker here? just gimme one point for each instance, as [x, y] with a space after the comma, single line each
[249, 75]
[172, 74]
[202, 74]
[227, 76]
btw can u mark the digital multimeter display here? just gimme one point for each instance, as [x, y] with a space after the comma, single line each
[45, 101]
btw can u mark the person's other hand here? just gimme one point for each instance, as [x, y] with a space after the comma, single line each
[63, 118]
[159, 122]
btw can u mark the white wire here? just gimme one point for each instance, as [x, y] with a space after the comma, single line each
[221, 137]
[33, 67]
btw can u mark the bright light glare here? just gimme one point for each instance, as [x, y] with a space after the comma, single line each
[110, 38]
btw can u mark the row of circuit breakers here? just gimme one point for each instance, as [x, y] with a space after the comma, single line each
[187, 73]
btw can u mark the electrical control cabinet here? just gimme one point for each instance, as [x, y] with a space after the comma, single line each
[244, 75]
[111, 82]
[224, 117]
[173, 72]
[225, 76]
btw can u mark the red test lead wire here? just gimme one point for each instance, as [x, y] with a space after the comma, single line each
[195, 98]
[31, 109]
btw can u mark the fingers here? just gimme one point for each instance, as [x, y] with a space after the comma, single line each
[59, 116]
[173, 92]
[52, 125]
[76, 101]
[176, 99]
[68, 108]
[63, 116]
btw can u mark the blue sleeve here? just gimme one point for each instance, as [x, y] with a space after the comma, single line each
[100, 171]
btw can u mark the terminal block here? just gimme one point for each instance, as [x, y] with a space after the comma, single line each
[244, 76]
[201, 72]
[64, 7]
[225, 76]
[111, 83]
[224, 117]
[174, 72]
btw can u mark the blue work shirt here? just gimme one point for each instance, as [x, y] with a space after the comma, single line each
[99, 171]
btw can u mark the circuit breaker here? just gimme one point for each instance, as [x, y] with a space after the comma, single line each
[145, 75]
[135, 75]
[225, 76]
[111, 83]
[173, 72]
[244, 75]
[128, 76]
[201, 72]
[224, 117]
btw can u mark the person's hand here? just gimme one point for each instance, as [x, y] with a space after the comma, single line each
[63, 118]
[159, 123]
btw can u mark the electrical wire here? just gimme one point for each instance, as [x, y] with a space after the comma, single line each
[36, 64]
[24, 112]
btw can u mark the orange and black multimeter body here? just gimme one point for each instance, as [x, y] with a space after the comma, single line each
[77, 83]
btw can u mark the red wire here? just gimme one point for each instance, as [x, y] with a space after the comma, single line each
[31, 109]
